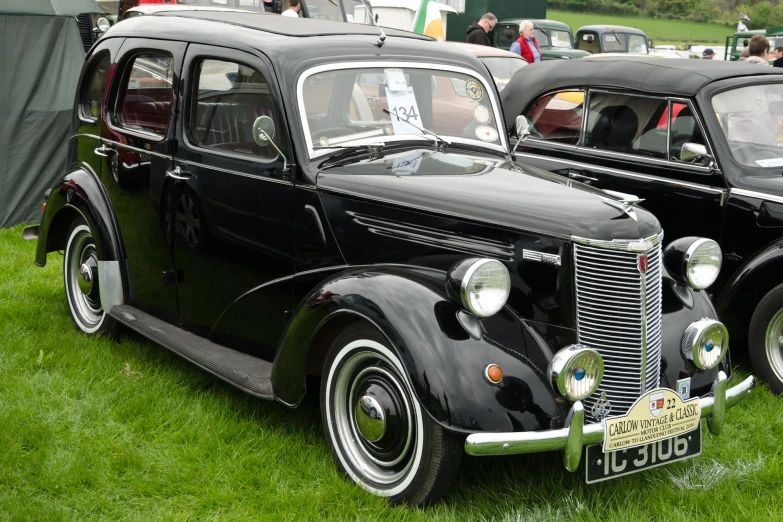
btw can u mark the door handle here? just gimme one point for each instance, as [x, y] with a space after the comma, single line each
[103, 151]
[178, 174]
[581, 176]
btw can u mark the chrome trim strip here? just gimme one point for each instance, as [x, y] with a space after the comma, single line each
[483, 444]
[643, 296]
[234, 172]
[489, 90]
[625, 173]
[669, 131]
[754, 194]
[623, 245]
[136, 149]
[541, 257]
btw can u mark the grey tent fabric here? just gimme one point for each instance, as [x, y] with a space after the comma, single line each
[49, 7]
[39, 69]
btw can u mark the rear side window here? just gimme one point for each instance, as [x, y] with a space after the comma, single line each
[229, 98]
[147, 93]
[94, 87]
[557, 117]
[627, 124]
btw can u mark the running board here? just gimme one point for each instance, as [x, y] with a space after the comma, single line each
[250, 374]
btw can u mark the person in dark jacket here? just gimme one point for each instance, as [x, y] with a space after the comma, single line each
[477, 33]
[527, 45]
[778, 57]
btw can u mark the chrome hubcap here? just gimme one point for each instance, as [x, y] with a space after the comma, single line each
[774, 343]
[374, 417]
[81, 278]
[85, 282]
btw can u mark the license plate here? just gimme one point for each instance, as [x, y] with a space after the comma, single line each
[604, 466]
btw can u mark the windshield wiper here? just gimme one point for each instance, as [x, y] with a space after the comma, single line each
[438, 139]
[375, 151]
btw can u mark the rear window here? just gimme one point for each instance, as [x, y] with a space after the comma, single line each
[147, 93]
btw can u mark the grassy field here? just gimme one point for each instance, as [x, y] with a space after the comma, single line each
[95, 429]
[660, 30]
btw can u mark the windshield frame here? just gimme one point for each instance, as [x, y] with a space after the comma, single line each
[489, 88]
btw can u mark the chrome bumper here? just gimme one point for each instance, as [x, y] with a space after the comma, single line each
[575, 435]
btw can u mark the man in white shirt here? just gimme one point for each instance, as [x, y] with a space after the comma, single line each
[294, 6]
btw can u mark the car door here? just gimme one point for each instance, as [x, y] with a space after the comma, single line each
[138, 137]
[556, 121]
[232, 199]
[633, 144]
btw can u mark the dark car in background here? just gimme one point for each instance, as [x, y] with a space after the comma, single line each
[451, 300]
[611, 39]
[699, 144]
[554, 38]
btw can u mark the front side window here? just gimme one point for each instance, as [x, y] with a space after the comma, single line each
[93, 89]
[557, 117]
[228, 98]
[502, 69]
[560, 39]
[637, 44]
[375, 104]
[541, 36]
[147, 93]
[627, 124]
[751, 119]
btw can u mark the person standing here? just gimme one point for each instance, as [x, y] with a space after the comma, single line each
[758, 51]
[778, 57]
[294, 6]
[527, 45]
[477, 33]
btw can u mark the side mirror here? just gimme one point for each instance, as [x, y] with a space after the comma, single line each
[523, 131]
[264, 133]
[694, 153]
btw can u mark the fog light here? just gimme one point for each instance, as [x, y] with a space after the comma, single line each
[705, 343]
[576, 371]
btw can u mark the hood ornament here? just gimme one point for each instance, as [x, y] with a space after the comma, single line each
[623, 202]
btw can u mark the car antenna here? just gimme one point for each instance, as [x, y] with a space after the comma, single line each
[382, 37]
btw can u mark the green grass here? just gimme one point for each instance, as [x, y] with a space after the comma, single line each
[660, 30]
[97, 429]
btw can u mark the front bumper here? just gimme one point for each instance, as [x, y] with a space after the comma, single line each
[575, 435]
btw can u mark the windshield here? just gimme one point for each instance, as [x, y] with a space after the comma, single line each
[502, 69]
[560, 39]
[347, 106]
[752, 122]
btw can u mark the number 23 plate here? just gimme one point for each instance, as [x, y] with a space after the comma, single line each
[604, 466]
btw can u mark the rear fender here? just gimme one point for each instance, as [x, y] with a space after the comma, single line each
[445, 365]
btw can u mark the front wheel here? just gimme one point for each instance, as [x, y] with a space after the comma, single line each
[765, 339]
[82, 288]
[379, 435]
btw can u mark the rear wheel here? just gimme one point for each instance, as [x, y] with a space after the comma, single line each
[765, 339]
[379, 435]
[81, 278]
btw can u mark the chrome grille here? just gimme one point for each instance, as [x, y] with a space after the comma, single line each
[619, 315]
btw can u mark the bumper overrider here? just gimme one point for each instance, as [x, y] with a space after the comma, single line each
[576, 435]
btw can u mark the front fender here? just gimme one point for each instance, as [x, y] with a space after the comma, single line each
[78, 193]
[445, 365]
[749, 284]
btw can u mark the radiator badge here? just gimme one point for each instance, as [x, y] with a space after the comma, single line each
[602, 408]
[642, 263]
[541, 257]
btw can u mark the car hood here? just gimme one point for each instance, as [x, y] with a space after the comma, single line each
[488, 190]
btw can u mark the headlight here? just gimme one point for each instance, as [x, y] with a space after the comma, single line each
[482, 285]
[576, 371]
[694, 261]
[103, 24]
[705, 343]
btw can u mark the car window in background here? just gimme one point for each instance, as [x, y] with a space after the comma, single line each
[502, 69]
[148, 93]
[557, 117]
[92, 98]
[229, 98]
[325, 10]
[637, 44]
[560, 39]
[627, 124]
[541, 37]
[751, 119]
[614, 43]
[588, 42]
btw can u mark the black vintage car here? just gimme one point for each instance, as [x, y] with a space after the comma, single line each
[700, 144]
[319, 198]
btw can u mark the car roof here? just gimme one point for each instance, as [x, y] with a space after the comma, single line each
[483, 51]
[663, 76]
[179, 8]
[540, 22]
[610, 29]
